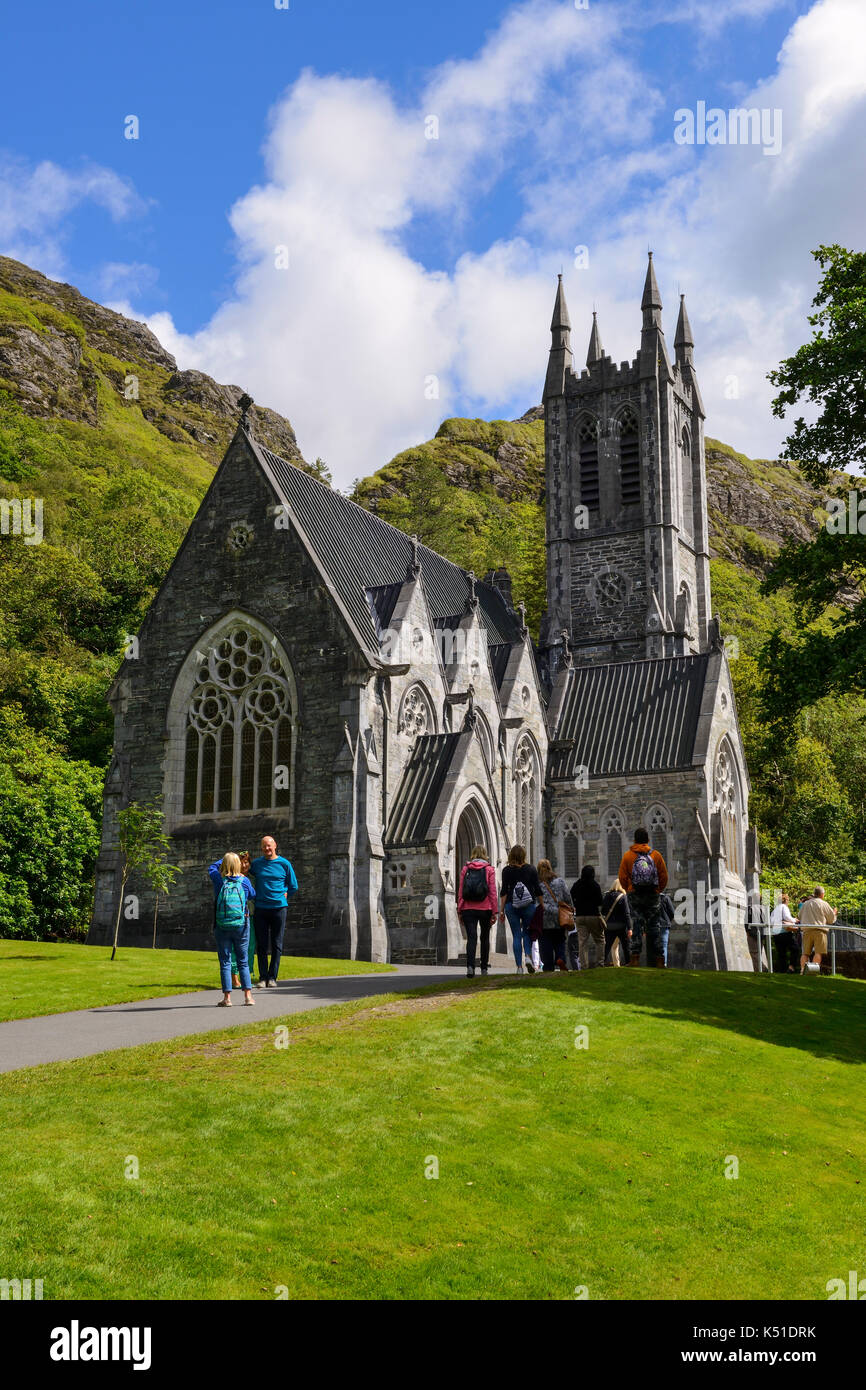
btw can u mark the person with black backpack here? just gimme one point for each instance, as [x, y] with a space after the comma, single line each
[521, 895]
[231, 923]
[644, 875]
[476, 905]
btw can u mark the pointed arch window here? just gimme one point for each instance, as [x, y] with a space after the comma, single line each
[612, 841]
[569, 845]
[660, 827]
[688, 518]
[238, 725]
[729, 805]
[527, 795]
[629, 458]
[587, 450]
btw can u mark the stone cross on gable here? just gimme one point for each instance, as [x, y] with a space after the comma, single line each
[521, 608]
[245, 402]
[472, 600]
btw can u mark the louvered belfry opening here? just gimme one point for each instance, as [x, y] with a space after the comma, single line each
[629, 458]
[587, 437]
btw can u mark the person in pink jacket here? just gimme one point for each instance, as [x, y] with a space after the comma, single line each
[476, 904]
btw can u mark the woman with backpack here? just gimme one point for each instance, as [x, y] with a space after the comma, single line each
[558, 917]
[520, 895]
[476, 905]
[232, 894]
[616, 916]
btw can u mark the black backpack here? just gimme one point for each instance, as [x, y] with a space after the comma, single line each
[475, 883]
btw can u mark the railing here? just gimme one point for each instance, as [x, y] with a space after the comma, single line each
[843, 936]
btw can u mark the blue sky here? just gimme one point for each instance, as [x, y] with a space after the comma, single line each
[421, 271]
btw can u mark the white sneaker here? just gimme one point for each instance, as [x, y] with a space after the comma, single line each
[272, 984]
[520, 970]
[260, 985]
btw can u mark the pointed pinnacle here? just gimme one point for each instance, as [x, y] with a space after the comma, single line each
[560, 310]
[651, 296]
[683, 337]
[596, 351]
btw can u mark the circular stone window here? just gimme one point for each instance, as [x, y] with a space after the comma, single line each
[239, 536]
[610, 589]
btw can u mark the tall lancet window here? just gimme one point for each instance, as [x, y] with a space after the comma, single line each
[611, 842]
[587, 443]
[235, 711]
[686, 483]
[728, 804]
[527, 793]
[629, 458]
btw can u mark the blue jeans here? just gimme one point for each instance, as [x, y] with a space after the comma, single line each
[519, 919]
[240, 940]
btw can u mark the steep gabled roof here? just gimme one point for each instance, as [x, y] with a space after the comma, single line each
[421, 786]
[359, 553]
[630, 717]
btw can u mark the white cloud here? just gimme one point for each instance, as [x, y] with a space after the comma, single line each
[346, 340]
[36, 201]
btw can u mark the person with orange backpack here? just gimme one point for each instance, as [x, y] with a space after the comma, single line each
[644, 876]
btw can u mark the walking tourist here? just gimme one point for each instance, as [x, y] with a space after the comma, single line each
[275, 884]
[643, 874]
[558, 917]
[617, 925]
[586, 895]
[476, 904]
[816, 916]
[232, 894]
[520, 895]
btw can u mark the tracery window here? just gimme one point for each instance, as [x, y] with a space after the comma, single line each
[727, 800]
[612, 828]
[569, 846]
[527, 797]
[416, 713]
[240, 726]
[659, 825]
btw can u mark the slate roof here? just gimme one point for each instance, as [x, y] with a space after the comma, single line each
[630, 717]
[421, 786]
[360, 552]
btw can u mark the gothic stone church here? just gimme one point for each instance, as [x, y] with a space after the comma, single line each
[309, 671]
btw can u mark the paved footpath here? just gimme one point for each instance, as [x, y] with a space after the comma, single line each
[30, 1042]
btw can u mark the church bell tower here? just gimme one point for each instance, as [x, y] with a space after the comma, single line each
[627, 543]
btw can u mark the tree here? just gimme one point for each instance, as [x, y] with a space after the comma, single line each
[160, 876]
[143, 844]
[825, 576]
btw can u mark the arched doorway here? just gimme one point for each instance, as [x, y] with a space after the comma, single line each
[471, 831]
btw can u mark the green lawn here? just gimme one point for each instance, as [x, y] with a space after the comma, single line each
[303, 1167]
[45, 977]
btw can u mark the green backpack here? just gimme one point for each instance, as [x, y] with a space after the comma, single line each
[231, 906]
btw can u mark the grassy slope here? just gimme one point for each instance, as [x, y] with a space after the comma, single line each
[558, 1167]
[50, 978]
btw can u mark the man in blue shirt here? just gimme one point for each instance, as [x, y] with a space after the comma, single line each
[275, 884]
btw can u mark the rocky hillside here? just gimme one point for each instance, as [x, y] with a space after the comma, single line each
[753, 504]
[59, 352]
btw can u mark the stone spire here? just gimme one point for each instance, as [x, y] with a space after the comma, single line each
[653, 350]
[651, 304]
[683, 341]
[561, 359]
[596, 351]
